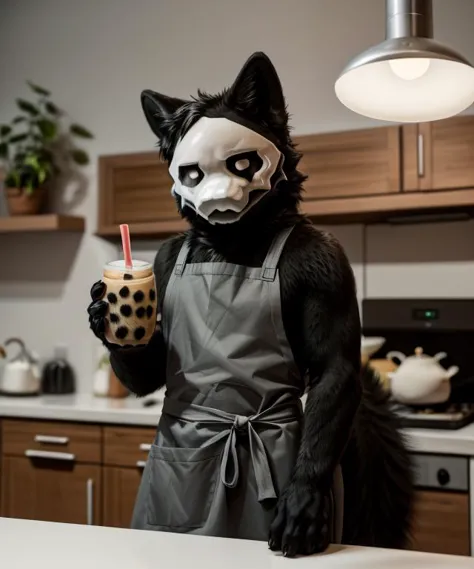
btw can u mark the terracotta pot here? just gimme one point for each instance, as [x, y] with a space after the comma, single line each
[21, 203]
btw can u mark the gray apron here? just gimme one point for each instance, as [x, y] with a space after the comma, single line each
[230, 428]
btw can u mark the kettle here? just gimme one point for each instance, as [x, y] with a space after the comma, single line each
[21, 374]
[420, 379]
[58, 376]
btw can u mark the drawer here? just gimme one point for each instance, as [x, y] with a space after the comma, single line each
[53, 440]
[127, 446]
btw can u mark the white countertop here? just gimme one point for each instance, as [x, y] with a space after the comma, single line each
[130, 411]
[43, 545]
[84, 408]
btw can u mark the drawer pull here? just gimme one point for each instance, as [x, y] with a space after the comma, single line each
[141, 463]
[30, 453]
[90, 502]
[145, 447]
[51, 440]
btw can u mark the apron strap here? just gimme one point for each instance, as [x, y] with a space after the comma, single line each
[270, 265]
[182, 256]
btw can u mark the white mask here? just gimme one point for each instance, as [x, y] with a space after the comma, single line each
[221, 169]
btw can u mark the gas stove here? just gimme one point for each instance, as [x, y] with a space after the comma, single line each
[455, 416]
[437, 325]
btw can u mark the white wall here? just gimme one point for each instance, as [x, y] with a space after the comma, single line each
[97, 55]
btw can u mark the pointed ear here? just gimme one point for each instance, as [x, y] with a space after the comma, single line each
[257, 89]
[158, 107]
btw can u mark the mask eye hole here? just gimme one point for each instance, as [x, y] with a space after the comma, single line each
[245, 165]
[190, 175]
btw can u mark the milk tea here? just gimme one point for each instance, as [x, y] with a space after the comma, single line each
[131, 296]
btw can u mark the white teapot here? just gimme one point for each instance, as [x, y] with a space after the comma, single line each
[420, 379]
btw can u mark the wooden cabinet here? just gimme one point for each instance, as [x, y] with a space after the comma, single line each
[441, 522]
[51, 490]
[136, 189]
[125, 453]
[51, 471]
[439, 155]
[120, 491]
[353, 163]
[358, 176]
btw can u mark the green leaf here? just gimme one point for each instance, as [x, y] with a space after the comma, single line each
[19, 137]
[27, 107]
[13, 179]
[47, 128]
[80, 157]
[41, 176]
[79, 130]
[38, 89]
[17, 120]
[32, 161]
[5, 129]
[29, 187]
[52, 109]
[3, 149]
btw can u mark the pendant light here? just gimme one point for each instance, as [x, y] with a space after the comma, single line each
[409, 77]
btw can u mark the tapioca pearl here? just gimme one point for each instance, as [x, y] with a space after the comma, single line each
[152, 295]
[121, 332]
[112, 298]
[138, 296]
[140, 312]
[124, 292]
[128, 277]
[139, 333]
[149, 311]
[125, 310]
[114, 318]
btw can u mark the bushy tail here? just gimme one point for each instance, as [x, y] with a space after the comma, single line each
[378, 475]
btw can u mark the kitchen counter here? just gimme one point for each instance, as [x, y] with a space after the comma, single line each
[437, 441]
[131, 411]
[84, 408]
[55, 546]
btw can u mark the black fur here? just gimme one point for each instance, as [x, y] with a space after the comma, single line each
[347, 419]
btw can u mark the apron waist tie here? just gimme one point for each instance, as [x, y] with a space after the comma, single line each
[271, 417]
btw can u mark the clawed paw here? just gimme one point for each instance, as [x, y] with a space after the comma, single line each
[302, 522]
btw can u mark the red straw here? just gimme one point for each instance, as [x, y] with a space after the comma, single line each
[126, 246]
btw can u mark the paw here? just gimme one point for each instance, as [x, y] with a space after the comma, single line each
[302, 521]
[97, 311]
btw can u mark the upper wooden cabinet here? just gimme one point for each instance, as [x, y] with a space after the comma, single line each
[136, 189]
[354, 163]
[357, 176]
[439, 155]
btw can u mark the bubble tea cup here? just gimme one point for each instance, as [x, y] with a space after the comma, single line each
[131, 297]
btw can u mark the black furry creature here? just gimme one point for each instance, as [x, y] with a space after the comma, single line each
[347, 420]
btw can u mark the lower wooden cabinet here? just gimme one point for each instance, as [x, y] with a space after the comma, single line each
[441, 522]
[120, 490]
[90, 474]
[51, 490]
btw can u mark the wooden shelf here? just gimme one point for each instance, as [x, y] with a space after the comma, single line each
[41, 223]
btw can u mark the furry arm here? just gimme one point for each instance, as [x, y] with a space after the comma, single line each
[331, 351]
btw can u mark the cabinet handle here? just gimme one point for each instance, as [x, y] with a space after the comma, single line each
[145, 447]
[141, 463]
[30, 453]
[421, 156]
[90, 501]
[51, 440]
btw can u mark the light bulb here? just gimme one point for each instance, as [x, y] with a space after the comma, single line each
[409, 68]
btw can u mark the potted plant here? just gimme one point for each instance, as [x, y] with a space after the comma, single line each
[34, 148]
